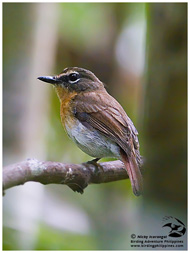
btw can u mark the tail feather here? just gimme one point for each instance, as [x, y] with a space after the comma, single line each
[134, 173]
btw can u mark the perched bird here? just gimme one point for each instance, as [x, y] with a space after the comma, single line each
[96, 122]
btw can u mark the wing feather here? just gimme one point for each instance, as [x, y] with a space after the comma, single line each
[105, 114]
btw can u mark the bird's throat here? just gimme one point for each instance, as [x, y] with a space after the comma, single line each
[65, 98]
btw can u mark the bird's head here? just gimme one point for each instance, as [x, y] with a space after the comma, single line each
[74, 79]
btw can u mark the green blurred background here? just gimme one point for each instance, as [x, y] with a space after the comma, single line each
[140, 52]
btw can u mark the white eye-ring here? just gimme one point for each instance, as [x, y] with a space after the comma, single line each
[73, 77]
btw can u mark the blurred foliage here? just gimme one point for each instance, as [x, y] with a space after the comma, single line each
[10, 239]
[52, 239]
[43, 39]
[165, 118]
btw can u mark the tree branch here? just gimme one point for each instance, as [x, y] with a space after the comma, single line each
[76, 176]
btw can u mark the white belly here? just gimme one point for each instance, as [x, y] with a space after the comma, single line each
[92, 142]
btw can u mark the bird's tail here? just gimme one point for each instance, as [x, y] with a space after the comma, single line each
[133, 172]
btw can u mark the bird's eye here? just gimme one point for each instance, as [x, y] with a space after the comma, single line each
[73, 77]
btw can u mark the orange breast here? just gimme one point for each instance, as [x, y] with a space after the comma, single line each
[65, 98]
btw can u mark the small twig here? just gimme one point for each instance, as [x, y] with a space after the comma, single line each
[76, 176]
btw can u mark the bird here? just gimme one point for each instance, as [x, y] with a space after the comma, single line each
[96, 122]
[178, 229]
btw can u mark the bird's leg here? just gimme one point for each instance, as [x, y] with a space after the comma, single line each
[97, 165]
[94, 161]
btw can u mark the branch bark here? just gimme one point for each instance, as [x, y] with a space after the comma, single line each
[76, 176]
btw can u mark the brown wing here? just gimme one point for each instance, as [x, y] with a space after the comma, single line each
[102, 112]
[105, 114]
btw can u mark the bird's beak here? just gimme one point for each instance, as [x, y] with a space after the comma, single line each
[49, 79]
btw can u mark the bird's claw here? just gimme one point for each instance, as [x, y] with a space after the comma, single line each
[97, 165]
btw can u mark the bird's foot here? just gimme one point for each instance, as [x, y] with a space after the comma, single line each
[96, 165]
[94, 161]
